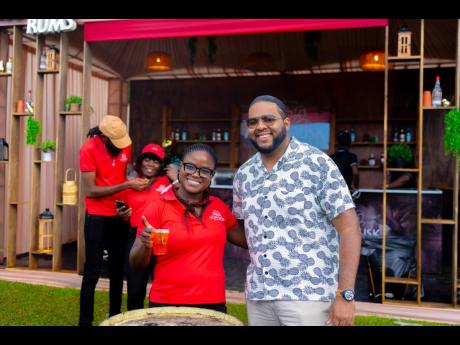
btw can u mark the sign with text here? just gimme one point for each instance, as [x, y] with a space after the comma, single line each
[50, 26]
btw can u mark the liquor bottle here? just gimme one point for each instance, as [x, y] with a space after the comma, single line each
[177, 134]
[226, 135]
[173, 131]
[43, 60]
[395, 135]
[436, 95]
[219, 135]
[2, 66]
[352, 135]
[213, 135]
[371, 160]
[402, 135]
[382, 158]
[184, 134]
[29, 102]
[9, 66]
[408, 135]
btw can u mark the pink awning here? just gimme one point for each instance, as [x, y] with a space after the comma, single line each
[167, 28]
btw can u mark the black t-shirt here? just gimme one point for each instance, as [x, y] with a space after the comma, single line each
[344, 161]
[412, 183]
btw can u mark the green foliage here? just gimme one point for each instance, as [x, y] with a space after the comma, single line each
[452, 132]
[71, 99]
[400, 151]
[48, 145]
[33, 128]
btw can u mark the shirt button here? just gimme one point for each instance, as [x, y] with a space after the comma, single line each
[265, 236]
[266, 272]
[266, 217]
[265, 255]
[265, 197]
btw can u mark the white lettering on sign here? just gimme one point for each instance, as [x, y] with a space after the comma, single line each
[49, 26]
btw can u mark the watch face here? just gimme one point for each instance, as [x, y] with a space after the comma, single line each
[348, 295]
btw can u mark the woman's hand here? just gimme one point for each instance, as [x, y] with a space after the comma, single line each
[172, 172]
[146, 235]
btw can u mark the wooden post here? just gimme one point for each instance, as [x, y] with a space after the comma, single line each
[85, 125]
[235, 136]
[13, 164]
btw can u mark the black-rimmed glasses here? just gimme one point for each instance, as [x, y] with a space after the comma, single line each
[268, 120]
[190, 168]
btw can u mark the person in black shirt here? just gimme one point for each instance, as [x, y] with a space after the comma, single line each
[346, 161]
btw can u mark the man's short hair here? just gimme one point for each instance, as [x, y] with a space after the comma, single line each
[344, 138]
[267, 98]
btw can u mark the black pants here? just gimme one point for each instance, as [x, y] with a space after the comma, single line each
[137, 280]
[215, 306]
[101, 233]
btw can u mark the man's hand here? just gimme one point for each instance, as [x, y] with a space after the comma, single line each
[342, 313]
[138, 183]
[146, 235]
[124, 212]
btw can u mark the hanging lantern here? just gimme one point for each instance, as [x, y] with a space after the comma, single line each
[373, 61]
[158, 61]
[45, 232]
[404, 42]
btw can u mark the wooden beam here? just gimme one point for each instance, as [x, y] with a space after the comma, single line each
[85, 124]
[13, 164]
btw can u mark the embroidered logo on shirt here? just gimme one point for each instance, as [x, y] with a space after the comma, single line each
[160, 188]
[216, 215]
[123, 157]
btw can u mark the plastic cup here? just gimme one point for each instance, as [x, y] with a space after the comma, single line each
[160, 241]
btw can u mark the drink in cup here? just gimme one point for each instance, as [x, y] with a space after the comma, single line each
[160, 241]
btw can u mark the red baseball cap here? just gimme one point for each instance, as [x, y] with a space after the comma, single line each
[155, 149]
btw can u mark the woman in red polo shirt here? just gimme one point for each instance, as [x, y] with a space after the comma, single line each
[149, 165]
[191, 273]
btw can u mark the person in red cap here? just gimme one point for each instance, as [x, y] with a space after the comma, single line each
[148, 165]
[103, 162]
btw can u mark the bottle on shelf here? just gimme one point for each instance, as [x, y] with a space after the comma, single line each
[402, 135]
[184, 134]
[396, 134]
[213, 135]
[382, 158]
[177, 134]
[372, 160]
[173, 131]
[4, 150]
[43, 60]
[226, 135]
[219, 135]
[9, 66]
[2, 66]
[436, 95]
[352, 135]
[29, 103]
[408, 135]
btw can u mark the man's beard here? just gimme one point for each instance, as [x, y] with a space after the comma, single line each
[113, 150]
[277, 140]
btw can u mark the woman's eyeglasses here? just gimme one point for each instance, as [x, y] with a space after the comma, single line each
[202, 172]
[268, 120]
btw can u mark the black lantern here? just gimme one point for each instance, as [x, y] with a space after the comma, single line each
[4, 150]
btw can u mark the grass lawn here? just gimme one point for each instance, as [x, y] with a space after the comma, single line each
[38, 305]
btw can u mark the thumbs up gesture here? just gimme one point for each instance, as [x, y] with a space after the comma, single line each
[146, 235]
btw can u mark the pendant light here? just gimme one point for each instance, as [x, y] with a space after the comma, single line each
[158, 61]
[373, 61]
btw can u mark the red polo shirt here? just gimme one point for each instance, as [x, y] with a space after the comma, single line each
[109, 170]
[137, 200]
[192, 272]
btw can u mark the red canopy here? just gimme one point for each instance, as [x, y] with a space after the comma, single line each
[164, 28]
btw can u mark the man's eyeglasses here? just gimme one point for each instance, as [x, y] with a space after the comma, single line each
[268, 120]
[202, 172]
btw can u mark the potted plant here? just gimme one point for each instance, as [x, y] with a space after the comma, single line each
[400, 155]
[452, 132]
[46, 147]
[33, 128]
[72, 103]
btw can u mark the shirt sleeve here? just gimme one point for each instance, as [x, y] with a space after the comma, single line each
[333, 193]
[353, 159]
[237, 199]
[87, 159]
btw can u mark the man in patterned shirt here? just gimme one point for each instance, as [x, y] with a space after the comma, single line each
[301, 226]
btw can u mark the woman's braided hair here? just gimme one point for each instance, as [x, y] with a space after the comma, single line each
[200, 147]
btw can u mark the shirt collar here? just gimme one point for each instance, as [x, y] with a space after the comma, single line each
[293, 146]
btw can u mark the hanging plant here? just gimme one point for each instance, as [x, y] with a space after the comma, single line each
[33, 128]
[212, 49]
[192, 47]
[452, 132]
